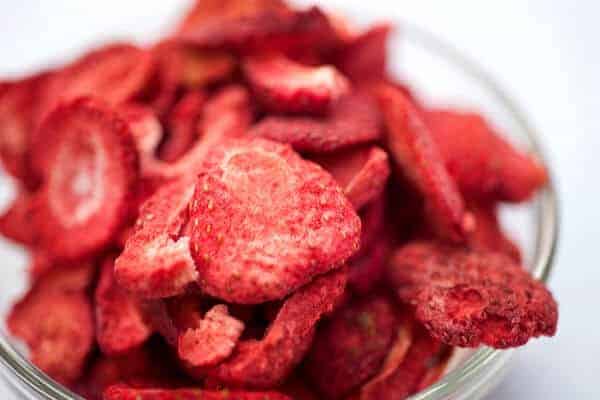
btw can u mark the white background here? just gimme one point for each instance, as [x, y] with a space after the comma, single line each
[546, 53]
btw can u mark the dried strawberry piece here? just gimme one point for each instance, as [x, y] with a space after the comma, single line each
[183, 126]
[264, 222]
[206, 10]
[144, 125]
[365, 57]
[40, 263]
[226, 115]
[354, 119]
[156, 261]
[362, 172]
[484, 164]
[211, 340]
[405, 379]
[120, 392]
[466, 298]
[282, 85]
[351, 346]
[488, 235]
[92, 168]
[265, 30]
[55, 320]
[413, 148]
[202, 68]
[266, 362]
[16, 222]
[119, 323]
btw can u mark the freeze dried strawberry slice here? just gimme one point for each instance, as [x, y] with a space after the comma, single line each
[212, 340]
[282, 85]
[16, 222]
[466, 298]
[264, 222]
[484, 164]
[183, 126]
[156, 261]
[413, 148]
[55, 320]
[225, 115]
[119, 323]
[266, 362]
[202, 68]
[278, 30]
[365, 57]
[206, 10]
[405, 379]
[120, 392]
[354, 119]
[362, 172]
[91, 171]
[488, 234]
[351, 346]
[145, 127]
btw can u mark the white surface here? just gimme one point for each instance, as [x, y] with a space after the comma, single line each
[545, 52]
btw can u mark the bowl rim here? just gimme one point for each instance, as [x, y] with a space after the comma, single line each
[39, 384]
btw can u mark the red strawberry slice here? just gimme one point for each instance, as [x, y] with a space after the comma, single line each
[264, 222]
[128, 393]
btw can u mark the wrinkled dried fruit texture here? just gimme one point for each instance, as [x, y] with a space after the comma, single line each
[414, 150]
[265, 30]
[206, 10]
[362, 172]
[351, 347]
[364, 59]
[282, 85]
[144, 126]
[19, 106]
[488, 234]
[156, 261]
[16, 222]
[404, 380]
[119, 323]
[353, 120]
[92, 170]
[226, 115]
[267, 362]
[467, 298]
[183, 126]
[264, 222]
[483, 163]
[55, 320]
[120, 392]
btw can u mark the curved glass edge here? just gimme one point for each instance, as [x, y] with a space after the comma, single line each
[485, 362]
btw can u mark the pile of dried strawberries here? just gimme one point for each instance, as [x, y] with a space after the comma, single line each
[253, 208]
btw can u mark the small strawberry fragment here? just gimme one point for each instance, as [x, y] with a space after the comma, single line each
[483, 163]
[488, 234]
[413, 148]
[364, 59]
[362, 172]
[144, 125]
[466, 298]
[120, 392]
[16, 222]
[266, 30]
[156, 261]
[264, 222]
[351, 347]
[353, 120]
[55, 320]
[183, 126]
[405, 379]
[92, 169]
[266, 362]
[225, 115]
[119, 323]
[282, 85]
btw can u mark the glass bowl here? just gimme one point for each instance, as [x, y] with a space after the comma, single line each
[440, 75]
